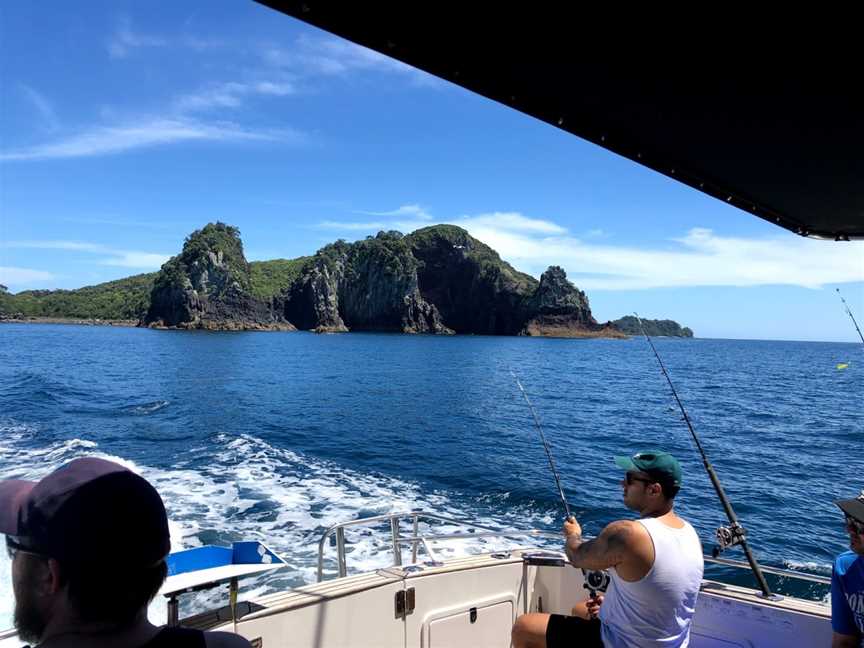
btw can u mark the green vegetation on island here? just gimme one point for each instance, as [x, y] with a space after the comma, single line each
[630, 325]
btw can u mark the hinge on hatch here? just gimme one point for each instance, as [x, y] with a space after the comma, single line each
[404, 603]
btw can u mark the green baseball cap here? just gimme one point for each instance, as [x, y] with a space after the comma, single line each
[654, 462]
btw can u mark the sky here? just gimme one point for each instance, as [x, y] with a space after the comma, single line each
[125, 126]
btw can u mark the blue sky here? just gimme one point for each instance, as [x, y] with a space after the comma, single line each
[125, 126]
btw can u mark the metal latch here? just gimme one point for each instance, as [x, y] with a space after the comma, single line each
[404, 603]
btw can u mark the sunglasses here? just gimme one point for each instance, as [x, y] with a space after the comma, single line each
[854, 525]
[14, 547]
[630, 478]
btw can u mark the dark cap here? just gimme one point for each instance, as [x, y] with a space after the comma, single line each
[660, 465]
[853, 507]
[88, 511]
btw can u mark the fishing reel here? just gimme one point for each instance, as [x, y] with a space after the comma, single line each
[595, 580]
[728, 536]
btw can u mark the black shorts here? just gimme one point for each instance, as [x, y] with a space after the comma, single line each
[566, 631]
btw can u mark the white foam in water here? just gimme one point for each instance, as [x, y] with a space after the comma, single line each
[821, 569]
[251, 490]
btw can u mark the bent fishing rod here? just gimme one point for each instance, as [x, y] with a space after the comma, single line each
[849, 313]
[726, 536]
[545, 445]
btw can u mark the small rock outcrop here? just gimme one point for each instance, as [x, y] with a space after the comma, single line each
[207, 286]
[561, 310]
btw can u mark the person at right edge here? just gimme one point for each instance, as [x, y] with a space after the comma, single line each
[847, 580]
[655, 566]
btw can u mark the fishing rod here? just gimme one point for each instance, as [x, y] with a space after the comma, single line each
[545, 445]
[849, 313]
[734, 534]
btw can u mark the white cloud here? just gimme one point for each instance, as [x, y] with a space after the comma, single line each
[112, 256]
[347, 226]
[698, 258]
[331, 56]
[43, 107]
[23, 276]
[124, 40]
[142, 260]
[106, 140]
[412, 211]
[230, 94]
[509, 222]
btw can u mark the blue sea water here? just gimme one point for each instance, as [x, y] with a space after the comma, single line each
[276, 436]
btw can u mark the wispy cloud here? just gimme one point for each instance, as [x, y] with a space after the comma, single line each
[11, 277]
[230, 94]
[330, 56]
[409, 217]
[119, 221]
[105, 140]
[410, 211]
[509, 222]
[43, 107]
[110, 256]
[144, 260]
[351, 227]
[124, 40]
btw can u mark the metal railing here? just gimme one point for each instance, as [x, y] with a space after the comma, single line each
[416, 540]
[785, 573]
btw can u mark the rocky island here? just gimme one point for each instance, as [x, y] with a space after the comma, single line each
[436, 280]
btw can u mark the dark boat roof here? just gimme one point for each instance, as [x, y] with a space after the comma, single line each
[763, 118]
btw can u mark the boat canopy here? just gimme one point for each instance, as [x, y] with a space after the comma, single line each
[751, 111]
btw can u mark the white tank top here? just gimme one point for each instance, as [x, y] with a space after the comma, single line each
[656, 610]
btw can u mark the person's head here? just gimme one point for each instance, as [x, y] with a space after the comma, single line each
[853, 511]
[88, 541]
[651, 481]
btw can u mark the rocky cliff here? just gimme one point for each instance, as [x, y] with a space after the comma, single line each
[208, 286]
[436, 280]
[473, 288]
[368, 285]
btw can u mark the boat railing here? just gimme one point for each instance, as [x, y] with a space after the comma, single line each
[416, 540]
[775, 571]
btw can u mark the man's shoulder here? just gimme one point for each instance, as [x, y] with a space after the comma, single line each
[625, 531]
[225, 640]
[847, 561]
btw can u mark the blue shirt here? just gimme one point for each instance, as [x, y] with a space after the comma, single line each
[847, 594]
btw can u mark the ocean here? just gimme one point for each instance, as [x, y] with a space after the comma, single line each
[277, 436]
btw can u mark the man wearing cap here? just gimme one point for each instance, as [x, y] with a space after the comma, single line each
[88, 546]
[847, 580]
[655, 566]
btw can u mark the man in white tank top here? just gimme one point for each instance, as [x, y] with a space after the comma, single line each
[655, 566]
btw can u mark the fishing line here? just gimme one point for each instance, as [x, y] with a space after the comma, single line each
[545, 445]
